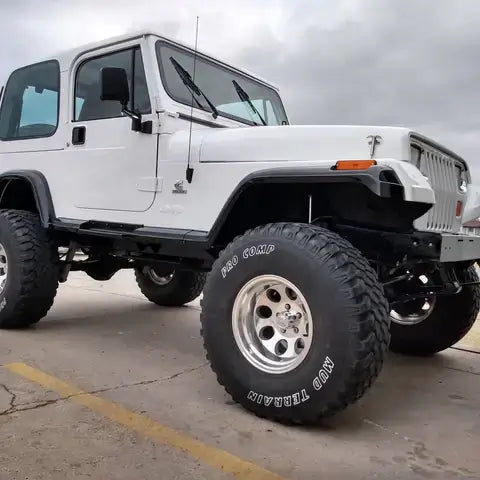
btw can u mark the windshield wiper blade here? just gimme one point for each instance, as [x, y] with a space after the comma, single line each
[244, 97]
[193, 87]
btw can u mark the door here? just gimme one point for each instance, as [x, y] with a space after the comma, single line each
[111, 166]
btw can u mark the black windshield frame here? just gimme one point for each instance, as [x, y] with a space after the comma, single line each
[185, 51]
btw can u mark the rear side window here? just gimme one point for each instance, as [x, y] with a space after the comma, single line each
[89, 106]
[30, 102]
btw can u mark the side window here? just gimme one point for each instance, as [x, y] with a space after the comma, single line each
[89, 106]
[30, 103]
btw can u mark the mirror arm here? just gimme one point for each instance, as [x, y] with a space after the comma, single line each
[130, 113]
[136, 118]
[137, 124]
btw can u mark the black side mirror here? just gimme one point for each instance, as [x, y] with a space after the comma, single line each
[114, 85]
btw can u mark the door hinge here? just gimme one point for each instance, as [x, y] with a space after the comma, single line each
[151, 122]
[150, 184]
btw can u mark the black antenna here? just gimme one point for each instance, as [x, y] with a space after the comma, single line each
[189, 171]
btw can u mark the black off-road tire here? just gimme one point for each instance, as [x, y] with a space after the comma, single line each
[350, 319]
[451, 319]
[32, 272]
[184, 287]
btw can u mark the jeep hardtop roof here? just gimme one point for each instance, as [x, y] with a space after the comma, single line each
[66, 57]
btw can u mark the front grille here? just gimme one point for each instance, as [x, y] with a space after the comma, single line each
[439, 168]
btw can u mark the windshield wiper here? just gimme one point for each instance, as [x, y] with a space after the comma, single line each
[244, 97]
[193, 87]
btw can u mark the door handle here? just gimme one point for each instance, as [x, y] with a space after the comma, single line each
[79, 135]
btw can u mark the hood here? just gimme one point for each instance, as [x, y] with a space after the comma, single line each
[300, 143]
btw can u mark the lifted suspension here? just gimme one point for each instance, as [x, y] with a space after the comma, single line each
[422, 282]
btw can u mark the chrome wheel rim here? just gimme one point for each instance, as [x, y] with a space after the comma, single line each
[272, 324]
[415, 317]
[3, 268]
[156, 278]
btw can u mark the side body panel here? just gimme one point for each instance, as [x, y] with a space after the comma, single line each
[114, 169]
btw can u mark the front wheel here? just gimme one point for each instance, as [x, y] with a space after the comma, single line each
[294, 321]
[434, 323]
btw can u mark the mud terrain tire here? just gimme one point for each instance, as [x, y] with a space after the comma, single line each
[182, 286]
[30, 260]
[349, 315]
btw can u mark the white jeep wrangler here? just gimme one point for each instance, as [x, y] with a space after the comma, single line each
[321, 241]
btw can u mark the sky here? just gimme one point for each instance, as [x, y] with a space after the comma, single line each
[413, 63]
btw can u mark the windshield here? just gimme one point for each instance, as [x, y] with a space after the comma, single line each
[218, 85]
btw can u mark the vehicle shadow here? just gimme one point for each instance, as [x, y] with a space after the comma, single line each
[408, 391]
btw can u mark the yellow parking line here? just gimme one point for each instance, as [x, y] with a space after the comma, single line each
[144, 425]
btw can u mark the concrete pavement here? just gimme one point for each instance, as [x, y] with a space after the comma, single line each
[420, 420]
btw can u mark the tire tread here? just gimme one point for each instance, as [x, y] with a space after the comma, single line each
[437, 333]
[373, 327]
[187, 287]
[38, 261]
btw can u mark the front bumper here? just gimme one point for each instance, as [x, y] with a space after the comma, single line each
[457, 248]
[415, 247]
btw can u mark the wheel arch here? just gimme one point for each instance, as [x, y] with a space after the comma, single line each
[27, 190]
[373, 198]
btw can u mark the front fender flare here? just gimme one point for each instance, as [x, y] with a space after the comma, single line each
[381, 180]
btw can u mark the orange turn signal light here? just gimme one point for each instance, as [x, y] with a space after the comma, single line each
[354, 164]
[458, 211]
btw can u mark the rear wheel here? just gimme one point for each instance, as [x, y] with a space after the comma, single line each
[294, 322]
[28, 269]
[434, 323]
[169, 287]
